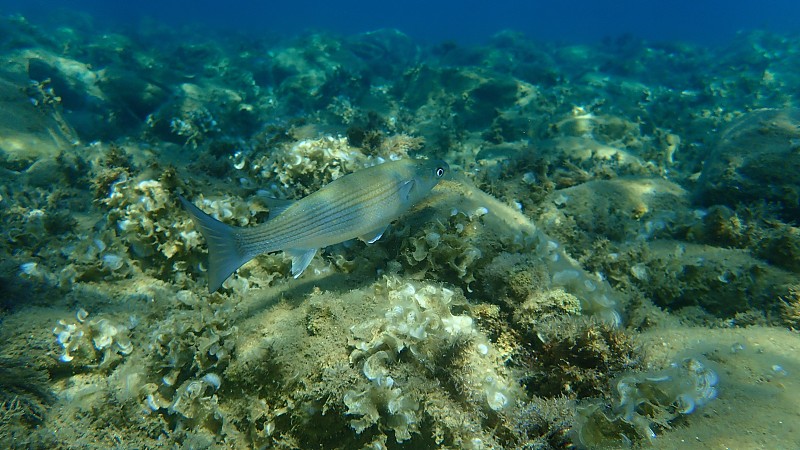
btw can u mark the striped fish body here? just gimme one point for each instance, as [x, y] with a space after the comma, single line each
[360, 204]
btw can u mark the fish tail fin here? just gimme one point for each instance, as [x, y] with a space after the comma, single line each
[224, 255]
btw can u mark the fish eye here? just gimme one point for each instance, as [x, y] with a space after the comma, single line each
[439, 171]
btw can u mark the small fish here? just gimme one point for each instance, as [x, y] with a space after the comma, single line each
[361, 204]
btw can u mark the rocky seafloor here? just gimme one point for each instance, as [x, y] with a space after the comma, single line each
[613, 263]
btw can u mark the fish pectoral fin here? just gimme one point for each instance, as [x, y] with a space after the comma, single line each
[405, 189]
[275, 205]
[301, 258]
[373, 235]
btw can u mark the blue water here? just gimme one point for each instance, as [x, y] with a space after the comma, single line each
[465, 21]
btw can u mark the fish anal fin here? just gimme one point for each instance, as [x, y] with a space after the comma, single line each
[301, 258]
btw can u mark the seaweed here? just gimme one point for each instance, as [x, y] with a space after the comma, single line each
[25, 394]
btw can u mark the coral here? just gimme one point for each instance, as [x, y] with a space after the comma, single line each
[140, 213]
[419, 320]
[400, 411]
[190, 337]
[193, 126]
[310, 164]
[190, 399]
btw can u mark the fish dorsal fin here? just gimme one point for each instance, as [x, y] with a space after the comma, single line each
[405, 190]
[301, 258]
[373, 235]
[276, 205]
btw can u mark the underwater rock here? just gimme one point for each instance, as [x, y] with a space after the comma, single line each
[73, 81]
[31, 124]
[74, 89]
[790, 311]
[507, 228]
[187, 118]
[474, 96]
[757, 159]
[386, 51]
[620, 209]
[469, 325]
[572, 150]
[574, 356]
[132, 94]
[722, 281]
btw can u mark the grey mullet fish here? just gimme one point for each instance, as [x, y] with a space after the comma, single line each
[361, 204]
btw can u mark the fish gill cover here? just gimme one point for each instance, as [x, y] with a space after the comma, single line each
[614, 261]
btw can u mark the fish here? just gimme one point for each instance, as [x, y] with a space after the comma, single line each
[361, 205]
